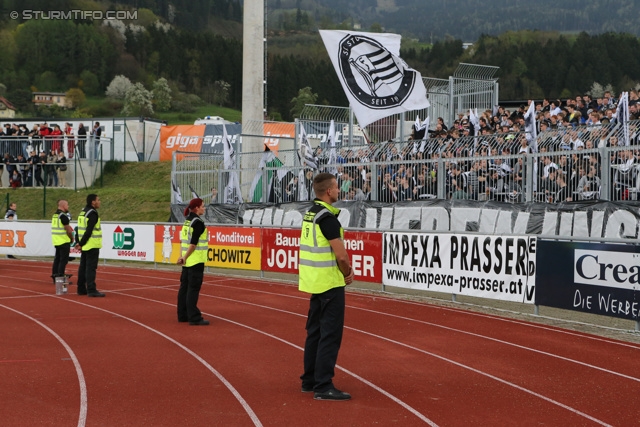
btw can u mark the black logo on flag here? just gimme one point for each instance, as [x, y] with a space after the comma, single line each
[374, 76]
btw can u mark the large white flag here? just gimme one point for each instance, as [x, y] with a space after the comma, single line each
[418, 127]
[333, 151]
[308, 161]
[377, 82]
[622, 116]
[307, 158]
[232, 194]
[270, 172]
[177, 195]
[423, 143]
[530, 127]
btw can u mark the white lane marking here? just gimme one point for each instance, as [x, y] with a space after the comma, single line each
[375, 387]
[432, 354]
[420, 304]
[562, 405]
[473, 334]
[82, 416]
[227, 384]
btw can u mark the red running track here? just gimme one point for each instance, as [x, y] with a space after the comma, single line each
[124, 360]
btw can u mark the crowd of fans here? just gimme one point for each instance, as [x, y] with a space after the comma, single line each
[489, 161]
[38, 155]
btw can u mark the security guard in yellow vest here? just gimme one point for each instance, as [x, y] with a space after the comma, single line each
[61, 237]
[90, 242]
[194, 244]
[324, 270]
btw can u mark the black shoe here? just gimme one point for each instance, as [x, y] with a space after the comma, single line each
[11, 257]
[200, 322]
[306, 388]
[82, 292]
[183, 320]
[332, 394]
[95, 294]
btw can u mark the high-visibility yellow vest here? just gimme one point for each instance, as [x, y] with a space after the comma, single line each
[318, 268]
[59, 235]
[95, 241]
[199, 256]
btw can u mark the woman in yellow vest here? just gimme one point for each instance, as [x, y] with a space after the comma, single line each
[194, 244]
[324, 270]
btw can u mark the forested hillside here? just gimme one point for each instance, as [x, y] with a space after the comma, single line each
[196, 47]
[432, 20]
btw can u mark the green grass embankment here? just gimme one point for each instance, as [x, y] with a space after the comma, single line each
[130, 192]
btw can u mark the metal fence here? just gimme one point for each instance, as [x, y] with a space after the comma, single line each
[125, 139]
[575, 163]
[80, 166]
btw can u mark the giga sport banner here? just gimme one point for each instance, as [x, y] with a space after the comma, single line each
[195, 139]
[208, 138]
[495, 267]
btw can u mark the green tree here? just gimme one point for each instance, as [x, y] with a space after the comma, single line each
[75, 97]
[47, 82]
[305, 96]
[138, 101]
[89, 83]
[376, 28]
[161, 95]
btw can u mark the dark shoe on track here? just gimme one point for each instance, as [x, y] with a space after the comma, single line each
[95, 294]
[307, 388]
[201, 322]
[183, 320]
[82, 292]
[332, 394]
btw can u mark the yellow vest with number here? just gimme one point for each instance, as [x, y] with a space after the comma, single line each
[95, 241]
[199, 256]
[318, 268]
[58, 233]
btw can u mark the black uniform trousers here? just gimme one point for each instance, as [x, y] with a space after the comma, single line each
[189, 292]
[87, 271]
[61, 260]
[325, 322]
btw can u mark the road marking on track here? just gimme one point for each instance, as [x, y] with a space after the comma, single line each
[562, 405]
[408, 346]
[236, 394]
[82, 416]
[375, 387]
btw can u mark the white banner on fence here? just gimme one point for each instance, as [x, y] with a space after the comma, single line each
[495, 267]
[128, 242]
[26, 238]
[120, 241]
